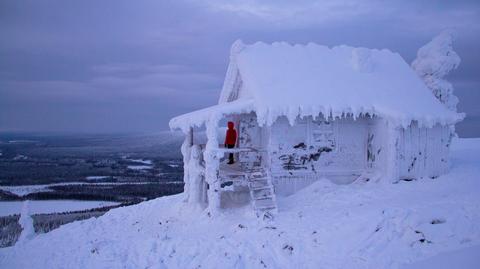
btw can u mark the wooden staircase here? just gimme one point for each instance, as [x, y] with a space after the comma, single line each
[262, 193]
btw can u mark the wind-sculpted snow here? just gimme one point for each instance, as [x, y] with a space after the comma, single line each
[361, 225]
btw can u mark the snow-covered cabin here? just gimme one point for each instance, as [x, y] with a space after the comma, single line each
[309, 112]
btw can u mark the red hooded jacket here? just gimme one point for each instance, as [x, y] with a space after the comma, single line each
[231, 136]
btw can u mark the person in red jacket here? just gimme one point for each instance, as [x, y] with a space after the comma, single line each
[230, 140]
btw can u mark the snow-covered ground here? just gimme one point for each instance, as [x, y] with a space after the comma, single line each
[23, 190]
[142, 164]
[361, 225]
[94, 178]
[465, 258]
[139, 167]
[147, 162]
[50, 206]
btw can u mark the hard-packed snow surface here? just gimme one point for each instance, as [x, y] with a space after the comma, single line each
[361, 225]
[465, 258]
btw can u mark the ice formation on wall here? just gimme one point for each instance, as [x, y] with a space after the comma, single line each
[434, 61]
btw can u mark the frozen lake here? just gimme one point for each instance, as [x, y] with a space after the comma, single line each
[50, 206]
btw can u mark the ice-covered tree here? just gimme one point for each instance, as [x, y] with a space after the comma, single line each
[26, 222]
[434, 61]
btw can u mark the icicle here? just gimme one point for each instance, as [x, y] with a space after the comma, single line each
[186, 149]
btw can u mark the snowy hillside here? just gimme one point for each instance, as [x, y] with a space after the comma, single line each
[362, 225]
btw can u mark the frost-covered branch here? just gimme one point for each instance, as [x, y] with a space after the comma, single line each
[434, 61]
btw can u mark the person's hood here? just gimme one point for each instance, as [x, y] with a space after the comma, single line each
[230, 125]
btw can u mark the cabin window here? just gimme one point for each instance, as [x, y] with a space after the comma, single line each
[322, 134]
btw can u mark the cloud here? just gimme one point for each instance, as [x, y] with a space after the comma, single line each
[303, 12]
[142, 68]
[119, 97]
[151, 60]
[415, 15]
[122, 80]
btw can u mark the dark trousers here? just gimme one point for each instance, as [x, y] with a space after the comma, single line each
[230, 156]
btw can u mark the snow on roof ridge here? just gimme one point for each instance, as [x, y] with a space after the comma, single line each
[239, 46]
[310, 44]
[236, 47]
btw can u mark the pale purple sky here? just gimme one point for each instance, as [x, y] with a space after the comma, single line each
[129, 66]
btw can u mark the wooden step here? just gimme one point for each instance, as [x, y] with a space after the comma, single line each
[264, 198]
[264, 202]
[267, 208]
[261, 188]
[262, 193]
[258, 179]
[255, 185]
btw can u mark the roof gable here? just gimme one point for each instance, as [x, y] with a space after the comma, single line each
[301, 80]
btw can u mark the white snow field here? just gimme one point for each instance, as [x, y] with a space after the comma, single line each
[362, 225]
[50, 206]
[139, 167]
[23, 190]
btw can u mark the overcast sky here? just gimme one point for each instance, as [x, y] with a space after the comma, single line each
[129, 66]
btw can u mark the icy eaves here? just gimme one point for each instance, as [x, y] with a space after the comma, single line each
[199, 117]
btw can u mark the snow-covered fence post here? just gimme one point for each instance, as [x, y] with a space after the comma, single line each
[212, 163]
[186, 151]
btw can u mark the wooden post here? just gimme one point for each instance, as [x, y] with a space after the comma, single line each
[186, 150]
[190, 134]
[393, 133]
[212, 163]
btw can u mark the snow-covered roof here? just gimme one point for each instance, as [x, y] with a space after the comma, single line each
[306, 80]
[199, 117]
